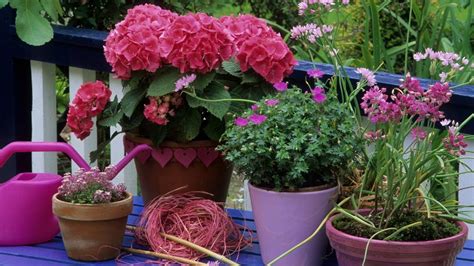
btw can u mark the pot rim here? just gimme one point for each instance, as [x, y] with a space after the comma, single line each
[263, 190]
[331, 229]
[171, 144]
[110, 204]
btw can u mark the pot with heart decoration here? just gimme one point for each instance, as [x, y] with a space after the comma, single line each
[196, 166]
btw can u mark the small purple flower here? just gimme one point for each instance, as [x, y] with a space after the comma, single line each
[315, 73]
[280, 86]
[184, 82]
[241, 122]
[271, 102]
[418, 133]
[254, 107]
[257, 119]
[319, 96]
[368, 75]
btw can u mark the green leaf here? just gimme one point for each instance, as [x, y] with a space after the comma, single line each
[3, 3]
[214, 91]
[31, 27]
[50, 6]
[158, 134]
[192, 125]
[214, 128]
[250, 78]
[133, 122]
[131, 100]
[164, 82]
[112, 114]
[203, 80]
[101, 148]
[232, 68]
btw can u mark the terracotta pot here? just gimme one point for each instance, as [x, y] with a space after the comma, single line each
[92, 232]
[350, 249]
[197, 166]
[283, 219]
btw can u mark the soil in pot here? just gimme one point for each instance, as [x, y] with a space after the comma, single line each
[351, 249]
[431, 228]
[195, 166]
[92, 232]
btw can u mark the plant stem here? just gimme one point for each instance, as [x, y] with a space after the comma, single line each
[219, 100]
[321, 225]
[164, 256]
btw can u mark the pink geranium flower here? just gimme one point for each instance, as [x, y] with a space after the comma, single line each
[271, 102]
[315, 73]
[257, 119]
[241, 122]
[280, 86]
[319, 96]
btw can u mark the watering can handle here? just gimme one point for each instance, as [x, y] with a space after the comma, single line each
[27, 146]
[134, 152]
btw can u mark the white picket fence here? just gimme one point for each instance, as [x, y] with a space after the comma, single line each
[44, 128]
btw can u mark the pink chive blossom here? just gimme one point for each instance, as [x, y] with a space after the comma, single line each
[311, 31]
[443, 76]
[271, 102]
[315, 73]
[379, 110]
[374, 135]
[184, 82]
[418, 133]
[319, 95]
[454, 142]
[368, 75]
[449, 59]
[280, 86]
[412, 85]
[254, 107]
[257, 119]
[445, 122]
[333, 52]
[241, 122]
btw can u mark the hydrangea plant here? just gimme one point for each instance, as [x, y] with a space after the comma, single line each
[294, 140]
[184, 73]
[91, 187]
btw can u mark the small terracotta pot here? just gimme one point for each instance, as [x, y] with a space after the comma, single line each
[92, 232]
[350, 249]
[201, 168]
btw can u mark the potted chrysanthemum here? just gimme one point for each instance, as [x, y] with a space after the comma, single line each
[293, 148]
[92, 214]
[182, 75]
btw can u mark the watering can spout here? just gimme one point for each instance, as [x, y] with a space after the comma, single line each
[137, 150]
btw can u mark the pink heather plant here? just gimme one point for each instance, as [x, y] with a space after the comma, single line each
[91, 187]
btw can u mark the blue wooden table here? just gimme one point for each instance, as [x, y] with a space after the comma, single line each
[53, 253]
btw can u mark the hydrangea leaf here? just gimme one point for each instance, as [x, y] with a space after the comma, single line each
[203, 80]
[214, 91]
[164, 83]
[131, 100]
[232, 68]
[31, 27]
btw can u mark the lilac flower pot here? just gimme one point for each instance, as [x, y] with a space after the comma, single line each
[284, 219]
[350, 249]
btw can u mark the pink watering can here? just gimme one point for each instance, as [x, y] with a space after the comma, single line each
[26, 215]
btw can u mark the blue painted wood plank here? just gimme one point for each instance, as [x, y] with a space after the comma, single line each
[6, 259]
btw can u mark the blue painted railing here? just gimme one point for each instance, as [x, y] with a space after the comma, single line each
[83, 48]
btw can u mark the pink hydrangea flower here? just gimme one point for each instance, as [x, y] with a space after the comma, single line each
[280, 86]
[319, 96]
[315, 73]
[271, 102]
[196, 42]
[269, 57]
[241, 122]
[257, 119]
[89, 101]
[184, 82]
[134, 42]
[244, 27]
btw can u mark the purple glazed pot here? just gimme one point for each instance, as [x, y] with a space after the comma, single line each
[350, 249]
[284, 219]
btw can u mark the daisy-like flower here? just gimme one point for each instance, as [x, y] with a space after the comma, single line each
[257, 119]
[271, 102]
[319, 96]
[315, 73]
[241, 122]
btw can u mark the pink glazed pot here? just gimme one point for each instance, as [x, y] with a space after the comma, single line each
[284, 219]
[350, 249]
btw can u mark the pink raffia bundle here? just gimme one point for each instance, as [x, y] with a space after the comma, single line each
[192, 218]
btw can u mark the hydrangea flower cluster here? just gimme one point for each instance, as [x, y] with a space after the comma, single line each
[410, 99]
[89, 101]
[134, 42]
[160, 108]
[196, 42]
[91, 187]
[260, 48]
